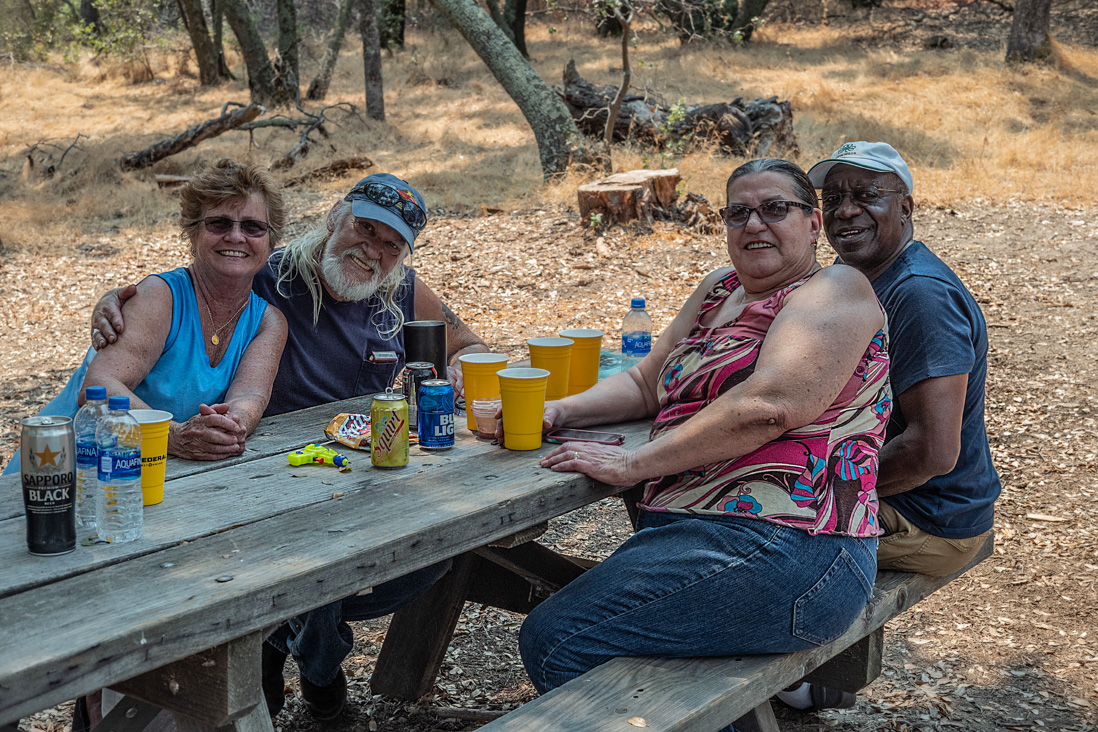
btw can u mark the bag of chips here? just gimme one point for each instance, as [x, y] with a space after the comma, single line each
[352, 430]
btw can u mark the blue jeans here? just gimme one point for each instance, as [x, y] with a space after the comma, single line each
[320, 639]
[687, 586]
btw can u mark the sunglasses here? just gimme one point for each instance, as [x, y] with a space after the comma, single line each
[770, 212]
[395, 198]
[251, 228]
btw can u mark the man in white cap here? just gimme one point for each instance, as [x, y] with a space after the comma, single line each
[936, 482]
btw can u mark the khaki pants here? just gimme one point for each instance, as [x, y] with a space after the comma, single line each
[907, 548]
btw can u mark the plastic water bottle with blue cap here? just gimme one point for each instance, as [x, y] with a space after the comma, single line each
[636, 334]
[119, 509]
[87, 457]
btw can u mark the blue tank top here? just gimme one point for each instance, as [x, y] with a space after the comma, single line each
[182, 378]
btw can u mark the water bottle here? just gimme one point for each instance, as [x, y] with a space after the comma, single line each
[119, 505]
[87, 457]
[636, 334]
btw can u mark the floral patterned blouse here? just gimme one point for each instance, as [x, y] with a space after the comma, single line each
[820, 478]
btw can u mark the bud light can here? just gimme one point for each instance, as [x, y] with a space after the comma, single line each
[436, 415]
[389, 431]
[48, 461]
[415, 374]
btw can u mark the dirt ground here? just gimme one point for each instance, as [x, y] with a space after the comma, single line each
[1010, 646]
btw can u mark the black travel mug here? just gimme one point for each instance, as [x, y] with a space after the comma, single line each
[425, 340]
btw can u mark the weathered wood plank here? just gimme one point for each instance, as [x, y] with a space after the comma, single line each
[759, 719]
[219, 587]
[274, 436]
[129, 715]
[205, 503]
[704, 694]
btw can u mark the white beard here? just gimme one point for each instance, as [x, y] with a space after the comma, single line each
[344, 287]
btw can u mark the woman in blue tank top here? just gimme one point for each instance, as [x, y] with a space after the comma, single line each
[197, 342]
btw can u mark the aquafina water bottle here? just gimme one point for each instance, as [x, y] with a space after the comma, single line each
[87, 457]
[636, 334]
[119, 506]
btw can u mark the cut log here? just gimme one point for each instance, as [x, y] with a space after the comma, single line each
[636, 195]
[189, 137]
[170, 181]
[758, 128]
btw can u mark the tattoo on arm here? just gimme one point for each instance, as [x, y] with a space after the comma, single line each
[450, 317]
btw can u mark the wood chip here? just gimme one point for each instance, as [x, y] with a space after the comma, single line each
[1044, 517]
[638, 722]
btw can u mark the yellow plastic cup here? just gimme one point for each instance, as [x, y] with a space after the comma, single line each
[585, 358]
[478, 371]
[555, 356]
[523, 393]
[154, 452]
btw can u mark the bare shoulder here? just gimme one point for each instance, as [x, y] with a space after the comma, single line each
[152, 293]
[840, 281]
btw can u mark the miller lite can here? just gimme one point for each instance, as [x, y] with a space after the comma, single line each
[415, 374]
[389, 431]
[47, 460]
[436, 415]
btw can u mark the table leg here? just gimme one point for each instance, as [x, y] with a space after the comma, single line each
[218, 689]
[419, 634]
[856, 667]
[759, 719]
[129, 715]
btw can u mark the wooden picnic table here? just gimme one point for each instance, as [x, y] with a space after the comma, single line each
[177, 618]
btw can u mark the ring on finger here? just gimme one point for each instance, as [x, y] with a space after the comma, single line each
[575, 455]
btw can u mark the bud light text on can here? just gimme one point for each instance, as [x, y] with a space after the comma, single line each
[436, 415]
[389, 431]
[48, 466]
[415, 374]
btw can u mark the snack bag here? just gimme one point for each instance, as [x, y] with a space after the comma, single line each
[352, 430]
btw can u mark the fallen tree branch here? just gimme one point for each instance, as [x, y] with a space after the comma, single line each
[40, 157]
[332, 169]
[190, 137]
[316, 123]
[470, 715]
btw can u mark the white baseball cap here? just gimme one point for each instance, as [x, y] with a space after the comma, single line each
[879, 156]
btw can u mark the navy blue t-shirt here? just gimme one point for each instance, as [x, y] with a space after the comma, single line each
[936, 329]
[328, 361]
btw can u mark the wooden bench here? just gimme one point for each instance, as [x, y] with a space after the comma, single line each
[706, 694]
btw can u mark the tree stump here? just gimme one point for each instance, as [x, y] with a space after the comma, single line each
[636, 195]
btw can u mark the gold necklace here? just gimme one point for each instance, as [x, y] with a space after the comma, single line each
[214, 339]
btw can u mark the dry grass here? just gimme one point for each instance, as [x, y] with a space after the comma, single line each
[969, 126]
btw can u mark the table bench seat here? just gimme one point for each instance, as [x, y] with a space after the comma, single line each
[706, 694]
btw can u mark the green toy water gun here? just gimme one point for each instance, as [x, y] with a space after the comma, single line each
[318, 454]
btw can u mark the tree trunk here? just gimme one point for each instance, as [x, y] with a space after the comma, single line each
[217, 15]
[89, 14]
[558, 138]
[626, 21]
[1029, 39]
[318, 89]
[262, 81]
[195, 21]
[286, 67]
[391, 23]
[746, 14]
[514, 17]
[371, 60]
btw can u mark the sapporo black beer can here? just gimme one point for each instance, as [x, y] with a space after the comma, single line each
[47, 460]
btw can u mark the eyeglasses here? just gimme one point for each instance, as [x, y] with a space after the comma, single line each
[365, 229]
[770, 212]
[251, 228]
[390, 197]
[861, 197]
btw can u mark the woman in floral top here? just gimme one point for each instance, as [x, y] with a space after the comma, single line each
[769, 390]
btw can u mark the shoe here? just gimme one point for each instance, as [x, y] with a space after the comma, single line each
[272, 680]
[325, 703]
[824, 697]
[806, 697]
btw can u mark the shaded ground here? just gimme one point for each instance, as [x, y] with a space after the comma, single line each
[1010, 646]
